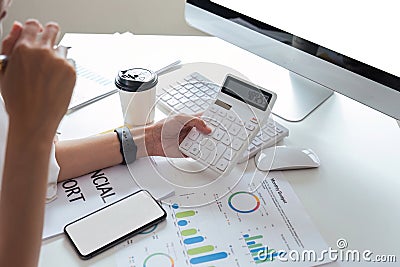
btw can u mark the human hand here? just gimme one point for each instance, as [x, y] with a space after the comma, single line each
[163, 138]
[37, 84]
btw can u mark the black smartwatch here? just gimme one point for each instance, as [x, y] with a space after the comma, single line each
[128, 147]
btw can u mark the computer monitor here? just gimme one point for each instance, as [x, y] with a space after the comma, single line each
[346, 46]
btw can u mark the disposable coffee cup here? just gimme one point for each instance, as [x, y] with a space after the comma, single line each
[137, 91]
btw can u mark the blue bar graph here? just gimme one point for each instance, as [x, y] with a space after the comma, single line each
[256, 250]
[193, 240]
[208, 258]
[182, 223]
[246, 236]
[251, 243]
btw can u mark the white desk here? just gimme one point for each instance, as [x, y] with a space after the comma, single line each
[353, 195]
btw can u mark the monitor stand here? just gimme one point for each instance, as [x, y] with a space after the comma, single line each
[298, 96]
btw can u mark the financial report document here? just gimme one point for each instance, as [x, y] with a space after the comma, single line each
[244, 228]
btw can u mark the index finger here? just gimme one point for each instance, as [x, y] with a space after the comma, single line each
[50, 34]
[199, 124]
[30, 31]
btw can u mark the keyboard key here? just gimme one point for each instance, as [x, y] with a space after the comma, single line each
[166, 97]
[256, 141]
[188, 94]
[179, 107]
[189, 104]
[178, 96]
[195, 109]
[184, 100]
[249, 126]
[188, 86]
[172, 102]
[173, 92]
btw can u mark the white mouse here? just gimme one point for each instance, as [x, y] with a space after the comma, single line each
[286, 158]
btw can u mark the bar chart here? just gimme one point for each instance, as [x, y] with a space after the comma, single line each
[195, 242]
[260, 252]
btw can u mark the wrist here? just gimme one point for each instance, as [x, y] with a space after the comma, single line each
[142, 141]
[33, 138]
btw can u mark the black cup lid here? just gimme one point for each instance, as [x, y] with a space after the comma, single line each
[136, 79]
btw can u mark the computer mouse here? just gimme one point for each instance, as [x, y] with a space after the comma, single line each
[286, 158]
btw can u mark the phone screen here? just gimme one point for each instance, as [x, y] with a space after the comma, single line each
[114, 223]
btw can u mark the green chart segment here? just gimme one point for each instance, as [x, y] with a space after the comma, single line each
[258, 251]
[198, 252]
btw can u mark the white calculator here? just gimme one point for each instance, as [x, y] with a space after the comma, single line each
[235, 118]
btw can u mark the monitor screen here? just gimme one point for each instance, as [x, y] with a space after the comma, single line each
[343, 45]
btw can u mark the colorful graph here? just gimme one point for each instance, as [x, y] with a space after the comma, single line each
[197, 250]
[248, 202]
[155, 258]
[260, 252]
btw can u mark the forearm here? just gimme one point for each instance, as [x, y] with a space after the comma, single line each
[23, 198]
[81, 156]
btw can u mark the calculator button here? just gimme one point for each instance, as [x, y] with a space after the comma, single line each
[204, 154]
[213, 109]
[237, 144]
[222, 113]
[234, 129]
[242, 134]
[209, 144]
[186, 144]
[193, 134]
[231, 117]
[196, 108]
[222, 164]
[226, 123]
[249, 126]
[194, 149]
[226, 139]
[219, 151]
[229, 154]
[218, 133]
[256, 141]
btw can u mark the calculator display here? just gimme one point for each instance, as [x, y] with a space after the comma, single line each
[246, 93]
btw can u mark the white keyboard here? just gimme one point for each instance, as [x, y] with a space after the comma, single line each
[194, 94]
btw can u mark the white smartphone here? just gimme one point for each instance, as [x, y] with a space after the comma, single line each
[114, 223]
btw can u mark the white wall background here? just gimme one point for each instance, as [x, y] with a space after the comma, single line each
[105, 16]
